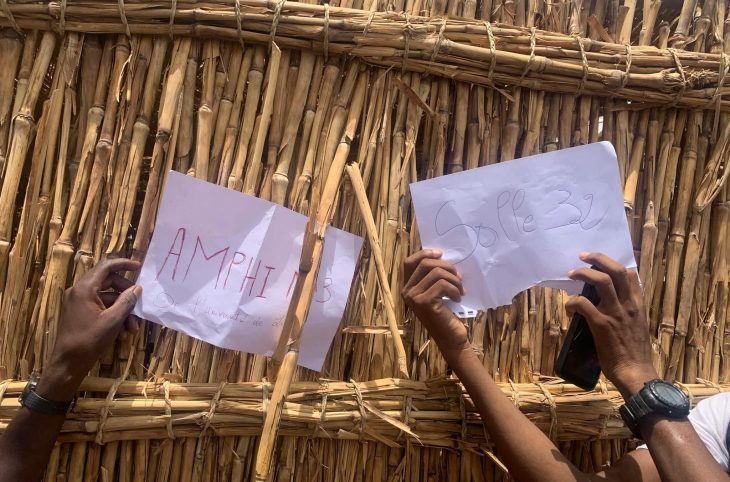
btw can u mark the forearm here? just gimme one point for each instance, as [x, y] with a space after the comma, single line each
[676, 449]
[26, 446]
[525, 450]
[678, 452]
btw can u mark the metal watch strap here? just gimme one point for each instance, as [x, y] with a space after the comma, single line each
[633, 410]
[637, 406]
[629, 420]
[34, 402]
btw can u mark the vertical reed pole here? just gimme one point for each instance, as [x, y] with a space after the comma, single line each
[353, 171]
[304, 290]
[20, 139]
[102, 115]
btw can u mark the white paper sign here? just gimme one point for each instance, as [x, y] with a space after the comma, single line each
[222, 267]
[514, 225]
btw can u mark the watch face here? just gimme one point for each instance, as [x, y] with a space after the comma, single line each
[669, 395]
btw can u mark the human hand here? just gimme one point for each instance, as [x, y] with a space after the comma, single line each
[429, 279]
[618, 323]
[94, 311]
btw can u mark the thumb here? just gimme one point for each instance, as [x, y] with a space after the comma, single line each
[124, 304]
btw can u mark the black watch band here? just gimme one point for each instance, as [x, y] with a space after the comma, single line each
[36, 403]
[631, 417]
[657, 397]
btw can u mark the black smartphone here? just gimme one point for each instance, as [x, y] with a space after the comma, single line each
[577, 362]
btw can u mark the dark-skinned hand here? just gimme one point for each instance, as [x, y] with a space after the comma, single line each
[429, 279]
[94, 312]
[618, 323]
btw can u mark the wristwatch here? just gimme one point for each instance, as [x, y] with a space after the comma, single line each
[34, 402]
[657, 397]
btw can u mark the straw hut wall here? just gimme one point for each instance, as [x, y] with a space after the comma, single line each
[332, 110]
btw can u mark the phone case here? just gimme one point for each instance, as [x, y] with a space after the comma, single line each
[577, 362]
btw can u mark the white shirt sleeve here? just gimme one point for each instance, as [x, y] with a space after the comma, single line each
[710, 419]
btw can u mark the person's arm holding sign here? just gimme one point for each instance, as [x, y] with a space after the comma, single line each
[620, 329]
[94, 312]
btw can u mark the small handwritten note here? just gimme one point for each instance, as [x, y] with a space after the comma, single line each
[222, 267]
[517, 224]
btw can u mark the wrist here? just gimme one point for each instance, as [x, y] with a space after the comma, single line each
[58, 384]
[454, 355]
[630, 382]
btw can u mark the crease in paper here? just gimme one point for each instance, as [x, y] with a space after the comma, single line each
[522, 223]
[222, 266]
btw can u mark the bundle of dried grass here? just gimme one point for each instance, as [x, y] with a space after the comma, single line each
[435, 413]
[458, 48]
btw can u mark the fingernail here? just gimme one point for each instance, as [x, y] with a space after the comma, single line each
[436, 252]
[137, 291]
[570, 273]
[459, 275]
[584, 255]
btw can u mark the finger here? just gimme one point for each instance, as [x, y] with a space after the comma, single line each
[132, 324]
[581, 305]
[409, 265]
[618, 272]
[116, 282]
[635, 283]
[443, 288]
[108, 298]
[434, 276]
[601, 281]
[96, 276]
[123, 306]
[428, 265]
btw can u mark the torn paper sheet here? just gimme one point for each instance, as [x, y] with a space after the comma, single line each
[517, 224]
[222, 267]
